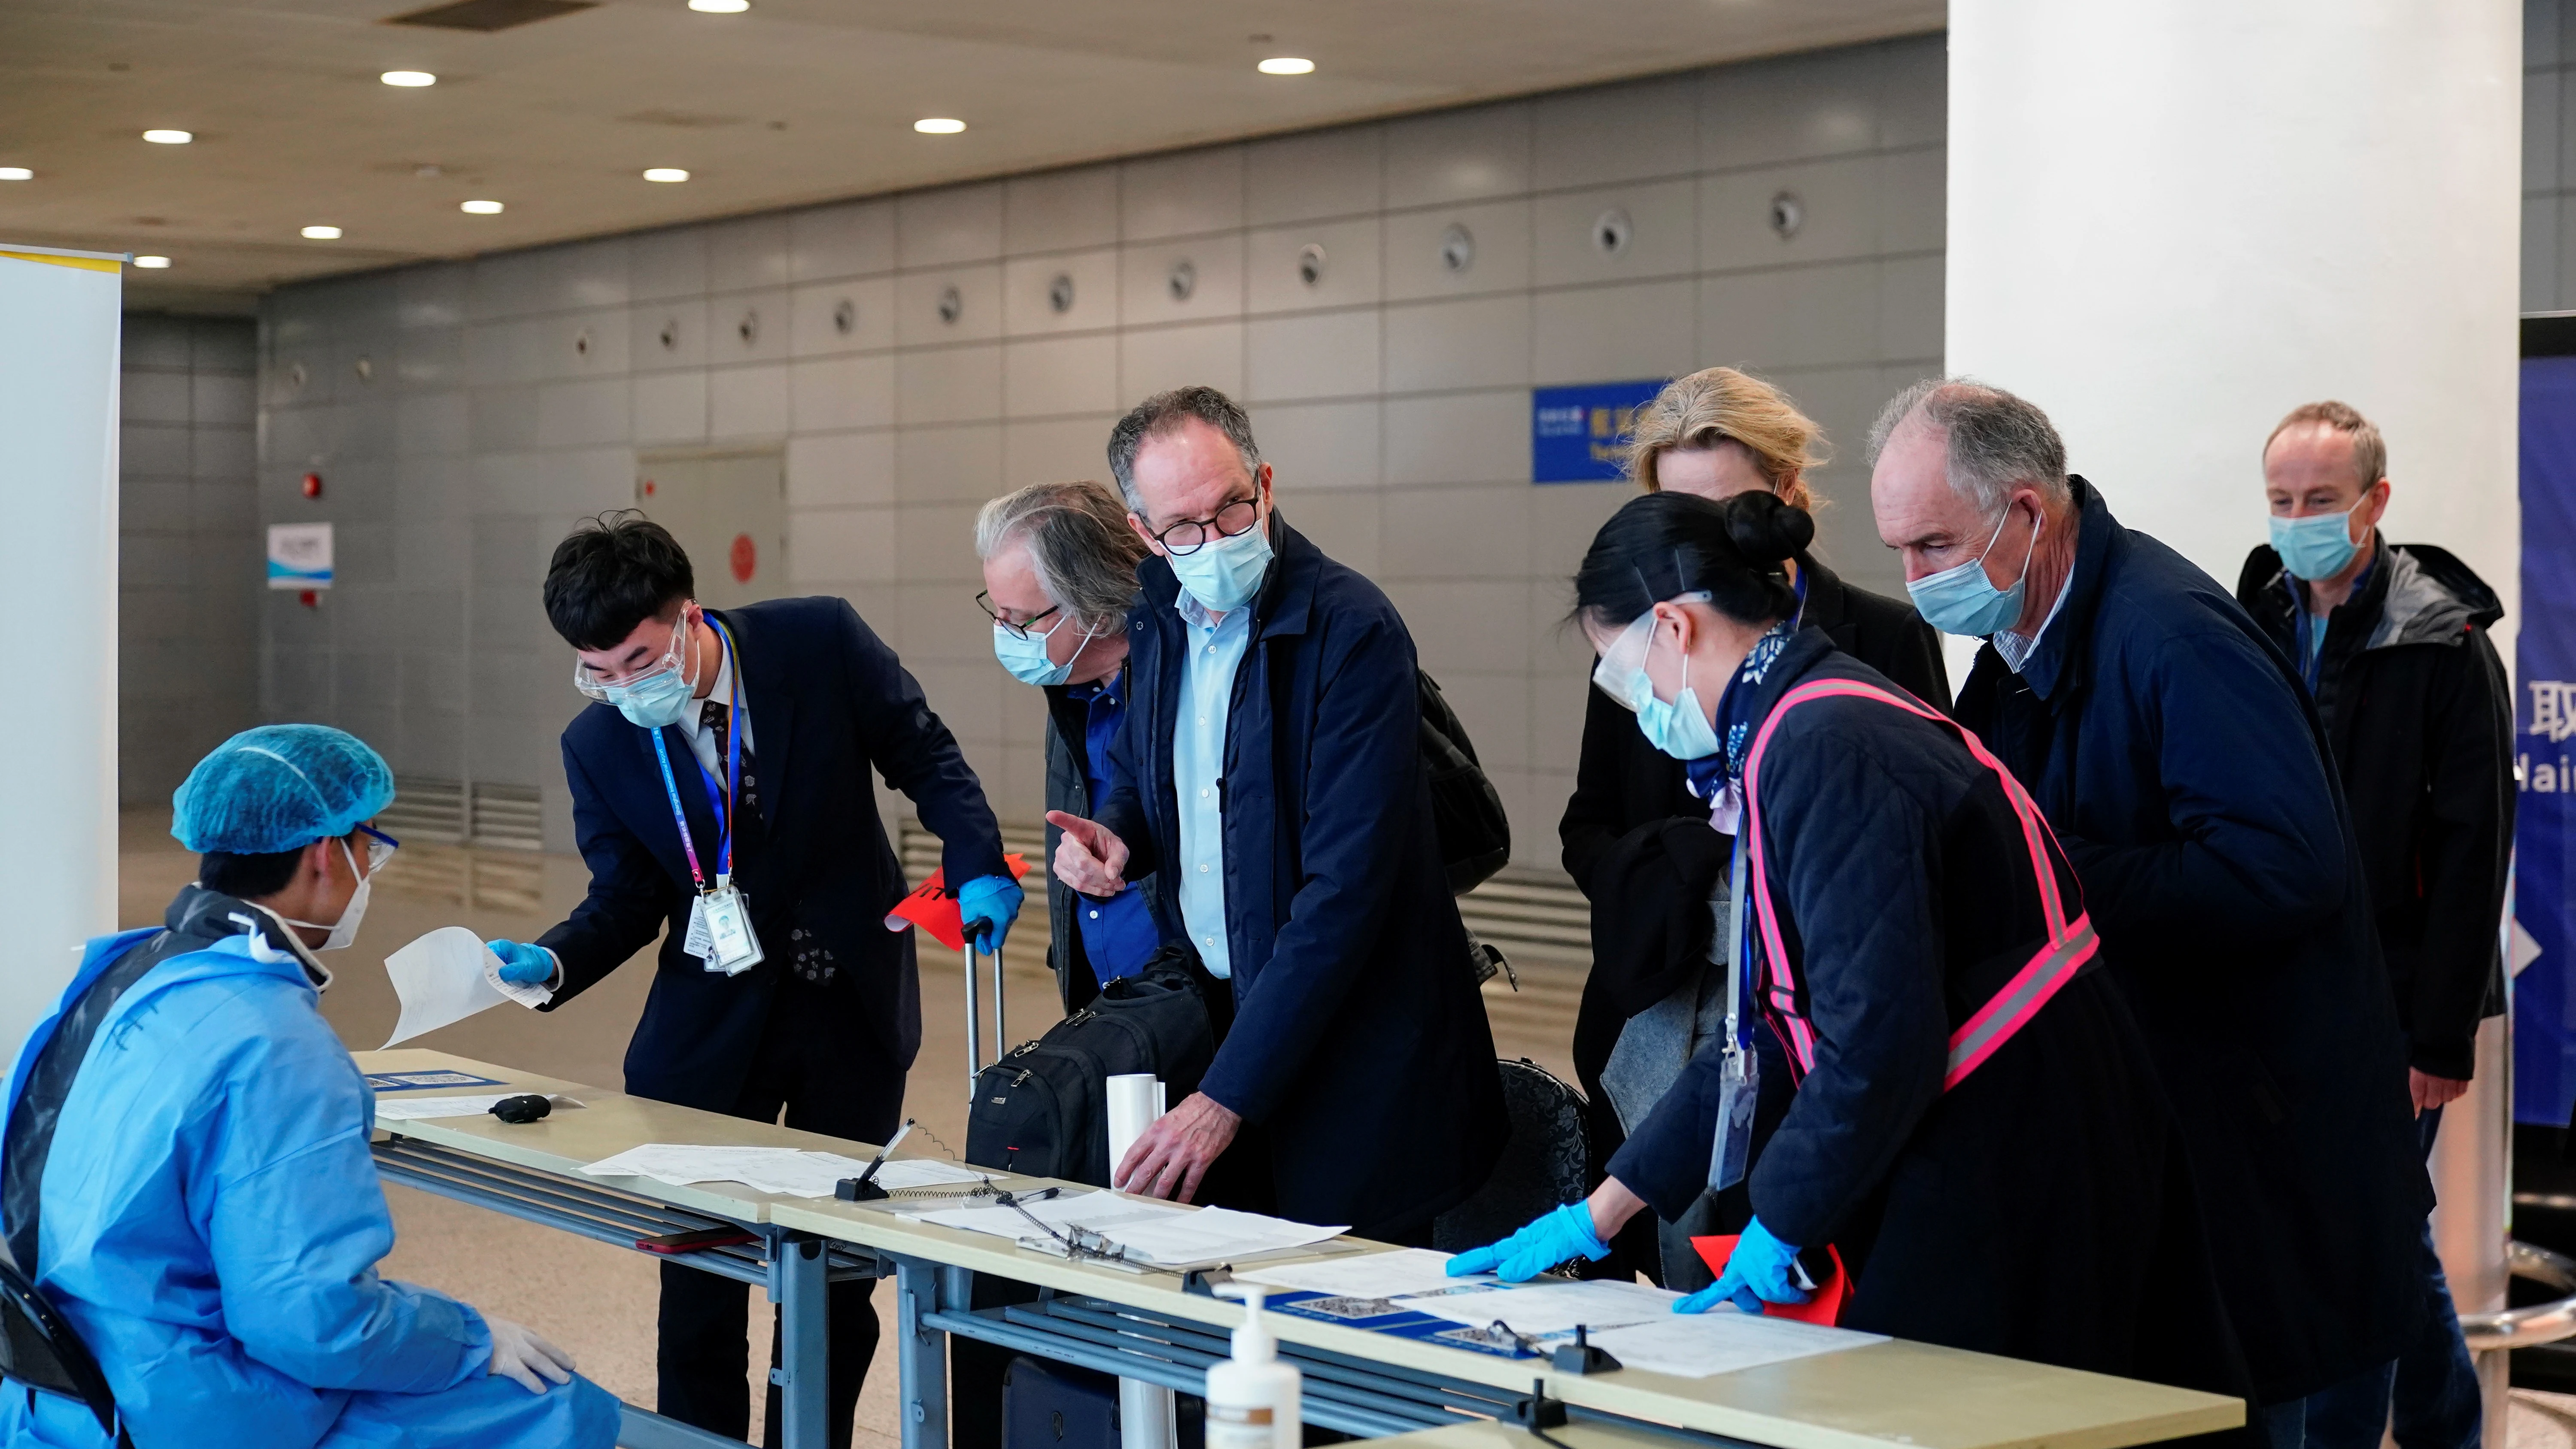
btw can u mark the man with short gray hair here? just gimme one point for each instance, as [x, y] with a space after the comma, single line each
[2178, 760]
[1059, 575]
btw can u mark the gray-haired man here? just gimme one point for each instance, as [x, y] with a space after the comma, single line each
[2178, 760]
[1059, 575]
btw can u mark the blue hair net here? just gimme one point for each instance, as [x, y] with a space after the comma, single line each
[279, 787]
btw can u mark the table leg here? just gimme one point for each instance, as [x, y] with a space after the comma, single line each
[921, 1354]
[804, 1353]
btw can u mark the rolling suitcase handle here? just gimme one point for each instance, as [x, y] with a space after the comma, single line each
[975, 1063]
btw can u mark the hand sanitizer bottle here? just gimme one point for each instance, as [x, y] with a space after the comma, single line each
[1252, 1397]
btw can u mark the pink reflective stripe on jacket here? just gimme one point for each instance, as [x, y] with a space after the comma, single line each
[2070, 943]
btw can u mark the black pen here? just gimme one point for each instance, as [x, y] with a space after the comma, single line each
[870, 1175]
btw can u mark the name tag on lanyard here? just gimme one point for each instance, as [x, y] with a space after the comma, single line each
[720, 932]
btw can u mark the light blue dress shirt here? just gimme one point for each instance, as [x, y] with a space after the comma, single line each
[1198, 758]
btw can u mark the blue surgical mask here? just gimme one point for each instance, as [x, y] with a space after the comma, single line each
[1224, 575]
[2317, 546]
[662, 699]
[1681, 728]
[1025, 655]
[1963, 600]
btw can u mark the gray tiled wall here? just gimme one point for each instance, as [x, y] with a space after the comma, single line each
[504, 397]
[187, 657]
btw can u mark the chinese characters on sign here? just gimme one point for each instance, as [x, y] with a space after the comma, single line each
[1580, 434]
[299, 555]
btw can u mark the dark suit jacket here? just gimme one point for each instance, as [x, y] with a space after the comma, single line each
[1359, 1040]
[828, 703]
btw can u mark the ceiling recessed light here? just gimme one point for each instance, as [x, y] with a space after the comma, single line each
[720, 7]
[16, 173]
[152, 264]
[1286, 65]
[169, 138]
[479, 208]
[408, 78]
[939, 125]
[665, 173]
[321, 233]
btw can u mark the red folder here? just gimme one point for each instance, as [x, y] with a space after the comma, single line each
[932, 908]
[1825, 1307]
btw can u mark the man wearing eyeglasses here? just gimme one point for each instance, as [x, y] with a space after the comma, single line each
[1059, 576]
[1269, 777]
[721, 797]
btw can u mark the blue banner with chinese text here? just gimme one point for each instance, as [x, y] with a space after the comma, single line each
[1580, 434]
[2544, 893]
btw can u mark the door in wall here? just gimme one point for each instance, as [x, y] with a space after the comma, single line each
[729, 510]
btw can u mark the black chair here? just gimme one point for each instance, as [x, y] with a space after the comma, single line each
[40, 1352]
[1543, 1163]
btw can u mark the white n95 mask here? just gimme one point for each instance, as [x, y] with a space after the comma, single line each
[344, 930]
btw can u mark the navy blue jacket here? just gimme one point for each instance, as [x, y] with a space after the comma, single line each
[2176, 755]
[2026, 1211]
[1359, 1040]
[828, 702]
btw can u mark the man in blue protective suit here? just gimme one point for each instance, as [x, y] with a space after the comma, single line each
[721, 796]
[184, 1170]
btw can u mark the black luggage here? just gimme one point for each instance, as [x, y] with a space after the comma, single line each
[1057, 1406]
[1544, 1162]
[1043, 1108]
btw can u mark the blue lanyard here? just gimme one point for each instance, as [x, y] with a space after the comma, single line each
[721, 807]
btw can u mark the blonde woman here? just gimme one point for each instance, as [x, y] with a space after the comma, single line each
[1716, 433]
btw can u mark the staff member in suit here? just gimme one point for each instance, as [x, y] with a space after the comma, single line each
[1270, 773]
[1636, 840]
[1059, 575]
[720, 796]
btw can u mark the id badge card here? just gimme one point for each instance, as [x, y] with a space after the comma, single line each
[1737, 1090]
[731, 945]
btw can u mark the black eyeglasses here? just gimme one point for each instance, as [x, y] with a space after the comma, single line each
[984, 601]
[1232, 521]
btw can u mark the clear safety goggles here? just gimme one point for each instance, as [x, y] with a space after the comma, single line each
[673, 659]
[1621, 674]
[380, 847]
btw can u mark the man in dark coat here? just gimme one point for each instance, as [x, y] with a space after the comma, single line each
[2173, 752]
[2392, 642]
[1059, 577]
[827, 1024]
[1270, 775]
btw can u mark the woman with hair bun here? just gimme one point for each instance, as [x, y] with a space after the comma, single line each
[1631, 831]
[1975, 1126]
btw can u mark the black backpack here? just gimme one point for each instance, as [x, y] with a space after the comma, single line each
[1475, 835]
[1043, 1109]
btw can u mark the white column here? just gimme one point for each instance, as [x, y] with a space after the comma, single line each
[2171, 221]
[58, 415]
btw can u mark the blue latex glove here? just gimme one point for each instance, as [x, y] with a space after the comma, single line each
[1762, 1269]
[523, 964]
[1563, 1233]
[990, 903]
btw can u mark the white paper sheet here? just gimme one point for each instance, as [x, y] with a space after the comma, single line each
[1152, 1232]
[447, 976]
[415, 1109]
[784, 1171]
[1556, 1306]
[1099, 1211]
[1697, 1345]
[1370, 1275]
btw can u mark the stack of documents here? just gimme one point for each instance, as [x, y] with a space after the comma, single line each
[1163, 1234]
[784, 1171]
[1634, 1322]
